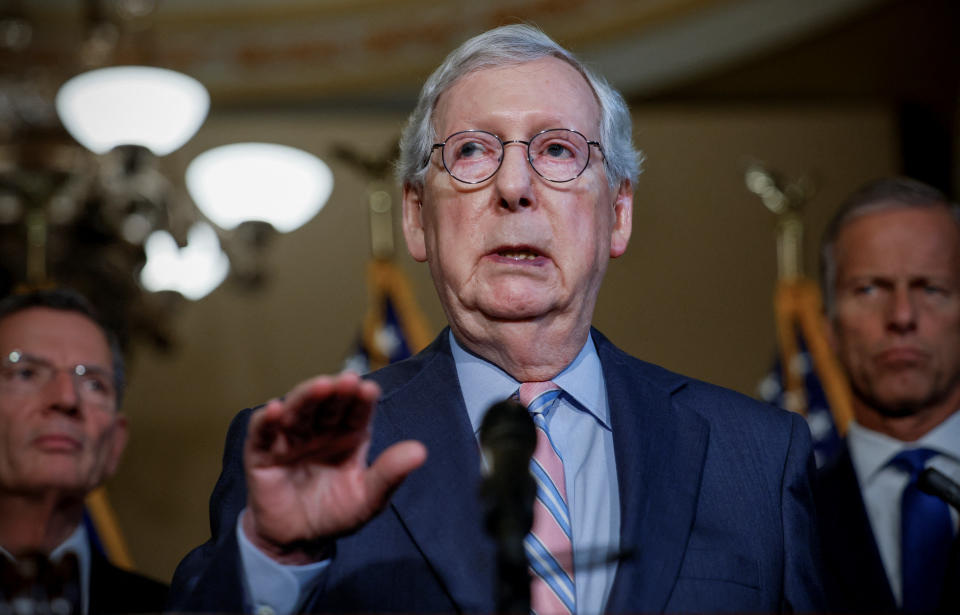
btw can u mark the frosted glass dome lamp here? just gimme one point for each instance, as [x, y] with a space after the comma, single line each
[155, 108]
[193, 271]
[283, 186]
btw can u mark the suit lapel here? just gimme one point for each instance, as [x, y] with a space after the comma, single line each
[100, 579]
[857, 577]
[660, 450]
[449, 530]
[107, 592]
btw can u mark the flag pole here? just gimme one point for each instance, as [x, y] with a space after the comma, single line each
[798, 306]
[388, 288]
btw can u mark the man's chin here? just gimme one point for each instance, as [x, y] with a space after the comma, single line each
[515, 307]
[900, 404]
[63, 477]
[898, 409]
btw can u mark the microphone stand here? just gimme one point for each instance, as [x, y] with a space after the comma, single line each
[508, 438]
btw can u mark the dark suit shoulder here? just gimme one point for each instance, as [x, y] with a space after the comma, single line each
[115, 590]
[838, 472]
[711, 401]
[394, 378]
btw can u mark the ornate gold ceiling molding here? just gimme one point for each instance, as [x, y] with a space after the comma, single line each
[295, 51]
[341, 50]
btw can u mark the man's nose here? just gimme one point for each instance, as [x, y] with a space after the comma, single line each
[514, 179]
[62, 389]
[902, 314]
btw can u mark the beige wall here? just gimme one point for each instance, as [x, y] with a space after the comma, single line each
[693, 292]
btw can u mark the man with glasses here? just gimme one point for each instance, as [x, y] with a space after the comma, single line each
[654, 492]
[61, 436]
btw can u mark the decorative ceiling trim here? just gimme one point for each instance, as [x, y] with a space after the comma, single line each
[342, 50]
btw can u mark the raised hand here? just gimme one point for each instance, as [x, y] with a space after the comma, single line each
[306, 465]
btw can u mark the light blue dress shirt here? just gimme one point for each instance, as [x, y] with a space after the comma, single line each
[579, 426]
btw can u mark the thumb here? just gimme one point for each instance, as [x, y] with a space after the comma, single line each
[391, 467]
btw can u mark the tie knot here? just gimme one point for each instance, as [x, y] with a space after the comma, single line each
[913, 461]
[538, 396]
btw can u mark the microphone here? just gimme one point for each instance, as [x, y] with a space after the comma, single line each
[935, 482]
[508, 438]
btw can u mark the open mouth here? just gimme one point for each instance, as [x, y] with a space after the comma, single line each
[518, 253]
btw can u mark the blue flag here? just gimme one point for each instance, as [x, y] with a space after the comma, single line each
[393, 328]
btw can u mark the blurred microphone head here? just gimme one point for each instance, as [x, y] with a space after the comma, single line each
[507, 430]
[936, 483]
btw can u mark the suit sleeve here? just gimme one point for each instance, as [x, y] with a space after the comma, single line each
[803, 578]
[209, 579]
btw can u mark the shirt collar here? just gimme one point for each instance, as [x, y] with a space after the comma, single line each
[871, 451]
[77, 544]
[484, 384]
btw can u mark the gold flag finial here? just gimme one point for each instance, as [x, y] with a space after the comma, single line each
[786, 201]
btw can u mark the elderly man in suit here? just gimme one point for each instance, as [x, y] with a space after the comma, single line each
[891, 273]
[518, 170]
[61, 436]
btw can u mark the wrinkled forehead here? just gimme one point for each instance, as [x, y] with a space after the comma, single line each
[64, 337]
[543, 93]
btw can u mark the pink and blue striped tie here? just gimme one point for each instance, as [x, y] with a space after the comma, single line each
[549, 544]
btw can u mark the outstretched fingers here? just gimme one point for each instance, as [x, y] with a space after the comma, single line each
[264, 428]
[306, 464]
[326, 419]
[392, 466]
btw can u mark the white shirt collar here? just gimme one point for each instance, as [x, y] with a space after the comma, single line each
[871, 451]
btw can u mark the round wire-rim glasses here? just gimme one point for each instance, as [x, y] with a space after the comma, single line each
[557, 154]
[22, 373]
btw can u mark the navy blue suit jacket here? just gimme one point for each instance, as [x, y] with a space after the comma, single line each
[856, 581]
[715, 499]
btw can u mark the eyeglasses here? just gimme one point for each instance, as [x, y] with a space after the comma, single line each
[557, 155]
[24, 374]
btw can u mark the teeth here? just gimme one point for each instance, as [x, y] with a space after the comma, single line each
[528, 256]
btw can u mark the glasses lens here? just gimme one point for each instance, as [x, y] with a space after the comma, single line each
[472, 156]
[559, 155]
[94, 385]
[21, 374]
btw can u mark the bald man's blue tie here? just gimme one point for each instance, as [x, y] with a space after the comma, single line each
[926, 537]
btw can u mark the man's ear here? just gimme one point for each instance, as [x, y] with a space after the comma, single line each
[116, 444]
[622, 219]
[413, 222]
